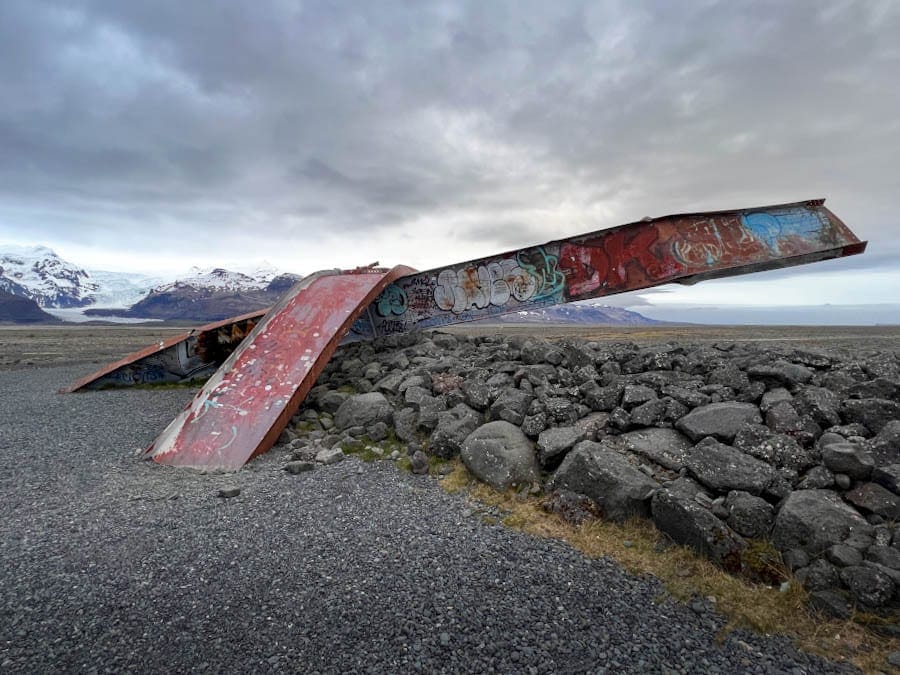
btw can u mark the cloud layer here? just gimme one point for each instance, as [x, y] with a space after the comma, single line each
[318, 134]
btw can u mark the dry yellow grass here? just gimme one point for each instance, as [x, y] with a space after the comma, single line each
[685, 574]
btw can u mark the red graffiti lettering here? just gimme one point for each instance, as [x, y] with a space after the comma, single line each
[585, 267]
[613, 263]
[635, 251]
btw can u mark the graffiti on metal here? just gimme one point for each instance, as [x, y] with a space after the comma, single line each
[243, 407]
[680, 248]
[625, 258]
[190, 356]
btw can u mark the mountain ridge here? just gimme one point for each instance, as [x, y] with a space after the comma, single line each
[38, 275]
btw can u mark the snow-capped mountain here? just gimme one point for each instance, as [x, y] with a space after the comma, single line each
[219, 279]
[576, 313]
[36, 272]
[72, 293]
[121, 289]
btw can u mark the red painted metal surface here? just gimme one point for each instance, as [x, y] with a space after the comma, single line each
[243, 408]
[681, 248]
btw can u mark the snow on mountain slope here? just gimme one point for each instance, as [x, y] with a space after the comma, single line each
[121, 289]
[576, 313]
[36, 272]
[219, 279]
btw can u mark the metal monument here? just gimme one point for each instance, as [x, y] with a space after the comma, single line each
[262, 376]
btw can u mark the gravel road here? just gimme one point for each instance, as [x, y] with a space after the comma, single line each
[111, 564]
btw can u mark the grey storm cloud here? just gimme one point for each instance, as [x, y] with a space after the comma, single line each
[290, 117]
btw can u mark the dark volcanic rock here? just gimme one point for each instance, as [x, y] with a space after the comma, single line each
[690, 524]
[666, 447]
[453, 427]
[820, 404]
[748, 515]
[720, 420]
[499, 454]
[722, 468]
[830, 603]
[885, 446]
[874, 413]
[868, 585]
[364, 410]
[814, 520]
[873, 498]
[511, 406]
[553, 444]
[818, 575]
[781, 372]
[782, 418]
[599, 472]
[888, 477]
[848, 459]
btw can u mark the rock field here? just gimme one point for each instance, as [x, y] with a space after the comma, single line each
[729, 448]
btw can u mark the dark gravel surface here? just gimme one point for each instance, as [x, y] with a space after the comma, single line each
[113, 564]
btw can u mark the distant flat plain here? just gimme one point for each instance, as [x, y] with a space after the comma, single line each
[28, 346]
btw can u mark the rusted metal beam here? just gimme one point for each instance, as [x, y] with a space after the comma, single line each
[193, 355]
[244, 406]
[683, 248]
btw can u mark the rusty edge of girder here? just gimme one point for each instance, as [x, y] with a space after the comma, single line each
[319, 361]
[850, 245]
[156, 348]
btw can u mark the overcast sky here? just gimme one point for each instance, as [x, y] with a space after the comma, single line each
[158, 135]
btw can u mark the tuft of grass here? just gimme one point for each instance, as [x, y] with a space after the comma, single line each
[685, 574]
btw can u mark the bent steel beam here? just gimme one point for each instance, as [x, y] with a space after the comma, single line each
[188, 356]
[244, 406]
[683, 248]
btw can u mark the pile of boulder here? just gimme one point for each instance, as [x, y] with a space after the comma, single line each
[723, 446]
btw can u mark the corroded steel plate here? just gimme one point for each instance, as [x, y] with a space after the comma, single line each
[242, 409]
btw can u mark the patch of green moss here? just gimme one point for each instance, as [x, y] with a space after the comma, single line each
[762, 563]
[304, 427]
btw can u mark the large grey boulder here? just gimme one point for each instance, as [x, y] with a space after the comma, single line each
[720, 420]
[869, 586]
[690, 524]
[331, 401]
[874, 498]
[601, 398]
[880, 387]
[748, 515]
[874, 413]
[554, 443]
[406, 422]
[849, 459]
[364, 410]
[888, 477]
[453, 427]
[666, 447]
[511, 405]
[814, 520]
[597, 471]
[498, 453]
[781, 372]
[820, 404]
[723, 468]
[885, 446]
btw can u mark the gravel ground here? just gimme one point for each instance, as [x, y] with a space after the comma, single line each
[112, 564]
